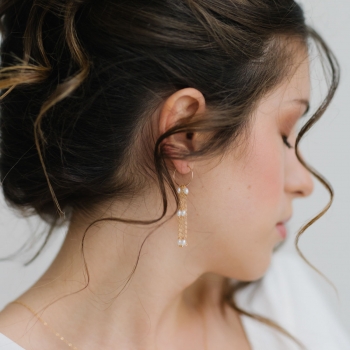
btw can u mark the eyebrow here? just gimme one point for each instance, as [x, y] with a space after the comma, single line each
[304, 102]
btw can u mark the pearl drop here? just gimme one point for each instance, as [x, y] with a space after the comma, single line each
[181, 242]
[183, 212]
[178, 190]
[179, 213]
[186, 190]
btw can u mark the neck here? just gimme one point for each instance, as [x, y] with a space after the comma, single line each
[164, 298]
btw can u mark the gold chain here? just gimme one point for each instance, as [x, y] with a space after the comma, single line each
[45, 324]
[70, 344]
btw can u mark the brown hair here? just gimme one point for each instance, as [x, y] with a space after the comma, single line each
[72, 136]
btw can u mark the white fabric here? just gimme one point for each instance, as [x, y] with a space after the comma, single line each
[288, 295]
[8, 344]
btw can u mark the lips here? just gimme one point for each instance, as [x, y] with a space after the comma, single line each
[282, 230]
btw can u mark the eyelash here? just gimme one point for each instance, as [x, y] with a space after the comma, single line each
[284, 138]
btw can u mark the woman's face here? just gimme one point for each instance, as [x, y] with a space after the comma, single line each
[235, 204]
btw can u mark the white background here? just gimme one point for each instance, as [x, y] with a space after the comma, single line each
[327, 147]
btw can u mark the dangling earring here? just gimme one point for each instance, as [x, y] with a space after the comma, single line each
[182, 190]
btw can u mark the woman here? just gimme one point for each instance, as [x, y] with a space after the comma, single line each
[165, 132]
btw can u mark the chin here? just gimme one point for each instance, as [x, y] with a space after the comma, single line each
[253, 271]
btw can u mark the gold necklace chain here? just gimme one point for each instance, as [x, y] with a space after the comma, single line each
[70, 344]
[45, 324]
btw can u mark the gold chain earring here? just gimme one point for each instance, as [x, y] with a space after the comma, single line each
[183, 191]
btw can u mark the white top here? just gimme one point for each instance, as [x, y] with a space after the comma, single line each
[288, 295]
[8, 344]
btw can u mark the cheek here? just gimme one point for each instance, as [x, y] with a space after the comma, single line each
[241, 204]
[265, 172]
[256, 180]
[244, 194]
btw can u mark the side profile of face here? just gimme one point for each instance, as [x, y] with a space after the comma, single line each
[235, 203]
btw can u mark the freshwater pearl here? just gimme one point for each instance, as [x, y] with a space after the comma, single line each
[178, 190]
[181, 242]
[186, 190]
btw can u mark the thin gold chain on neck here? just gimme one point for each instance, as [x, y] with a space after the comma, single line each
[70, 344]
[45, 324]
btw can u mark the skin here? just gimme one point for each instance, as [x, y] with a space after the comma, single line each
[172, 300]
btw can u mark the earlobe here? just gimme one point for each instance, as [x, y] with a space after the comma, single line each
[184, 103]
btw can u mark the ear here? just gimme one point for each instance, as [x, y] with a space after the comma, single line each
[183, 103]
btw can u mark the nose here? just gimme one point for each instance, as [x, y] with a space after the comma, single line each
[298, 181]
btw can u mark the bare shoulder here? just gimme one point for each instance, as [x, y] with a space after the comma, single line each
[22, 327]
[16, 324]
[11, 317]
